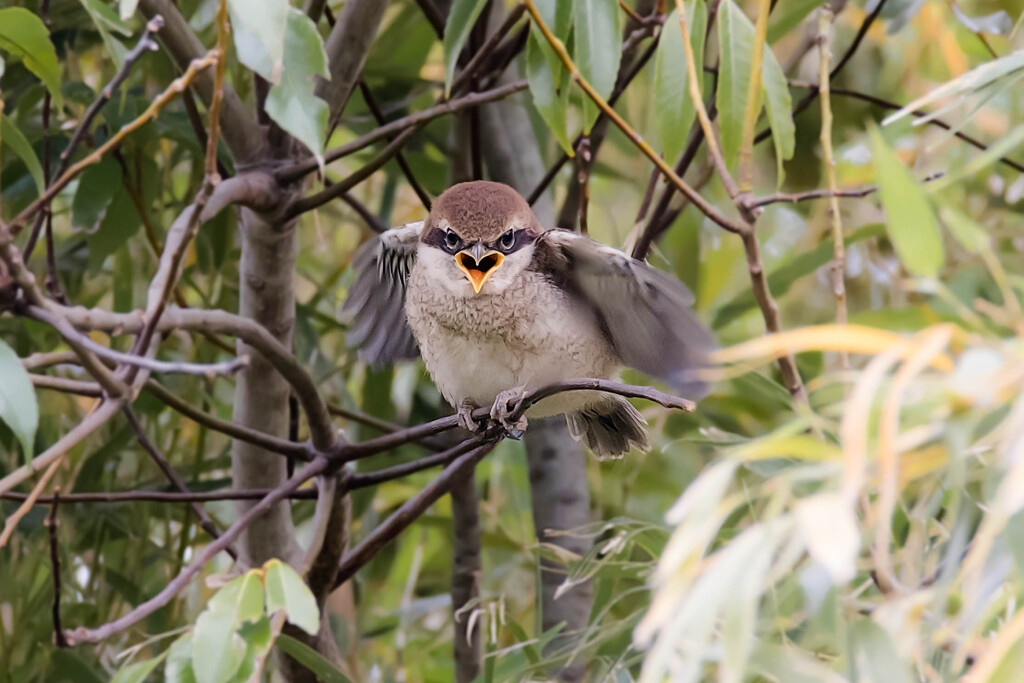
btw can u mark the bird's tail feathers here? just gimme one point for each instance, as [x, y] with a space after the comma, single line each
[609, 428]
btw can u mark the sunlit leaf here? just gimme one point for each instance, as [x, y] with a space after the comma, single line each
[217, 649]
[461, 18]
[241, 598]
[673, 107]
[259, 30]
[286, 591]
[999, 149]
[18, 407]
[875, 656]
[597, 27]
[19, 144]
[829, 528]
[23, 34]
[178, 668]
[735, 37]
[969, 234]
[909, 218]
[291, 102]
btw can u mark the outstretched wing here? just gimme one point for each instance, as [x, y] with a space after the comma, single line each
[375, 308]
[645, 313]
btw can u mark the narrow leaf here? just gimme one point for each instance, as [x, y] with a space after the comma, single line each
[673, 107]
[291, 103]
[550, 103]
[908, 216]
[96, 189]
[259, 30]
[18, 407]
[779, 106]
[735, 36]
[24, 35]
[1004, 146]
[788, 15]
[139, 671]
[597, 53]
[287, 591]
[312, 660]
[19, 144]
[969, 234]
[461, 18]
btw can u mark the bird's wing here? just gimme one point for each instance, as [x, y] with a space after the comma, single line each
[646, 314]
[375, 308]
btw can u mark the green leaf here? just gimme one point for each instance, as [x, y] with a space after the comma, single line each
[969, 234]
[96, 189]
[18, 407]
[461, 18]
[258, 634]
[217, 650]
[673, 107]
[120, 222]
[291, 103]
[550, 103]
[106, 20]
[139, 671]
[178, 668]
[287, 591]
[779, 106]
[788, 15]
[735, 37]
[597, 50]
[19, 144]
[312, 660]
[801, 265]
[908, 216]
[241, 598]
[259, 30]
[24, 35]
[1005, 145]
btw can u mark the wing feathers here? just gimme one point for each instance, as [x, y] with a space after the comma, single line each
[375, 307]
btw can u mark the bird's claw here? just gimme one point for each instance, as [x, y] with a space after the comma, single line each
[465, 417]
[505, 407]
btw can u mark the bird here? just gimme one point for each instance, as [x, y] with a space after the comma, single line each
[497, 306]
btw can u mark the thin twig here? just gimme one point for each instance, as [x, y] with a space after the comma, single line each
[145, 44]
[51, 523]
[378, 115]
[178, 583]
[296, 171]
[178, 85]
[838, 193]
[838, 265]
[412, 509]
[705, 207]
[205, 521]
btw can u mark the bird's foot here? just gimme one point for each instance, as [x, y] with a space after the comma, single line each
[505, 407]
[465, 417]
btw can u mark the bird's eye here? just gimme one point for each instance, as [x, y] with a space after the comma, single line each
[451, 240]
[508, 239]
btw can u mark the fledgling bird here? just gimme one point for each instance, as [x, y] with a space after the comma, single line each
[498, 306]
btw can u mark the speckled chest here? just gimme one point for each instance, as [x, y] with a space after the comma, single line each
[529, 334]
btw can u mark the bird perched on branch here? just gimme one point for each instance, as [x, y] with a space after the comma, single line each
[497, 306]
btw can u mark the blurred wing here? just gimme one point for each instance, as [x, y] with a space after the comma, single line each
[375, 308]
[645, 313]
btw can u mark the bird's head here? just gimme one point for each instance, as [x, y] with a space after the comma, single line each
[478, 234]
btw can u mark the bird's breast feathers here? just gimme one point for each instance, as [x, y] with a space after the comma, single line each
[476, 346]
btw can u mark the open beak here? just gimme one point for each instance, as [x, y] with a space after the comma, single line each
[478, 264]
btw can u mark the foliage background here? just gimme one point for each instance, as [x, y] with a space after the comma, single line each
[746, 459]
